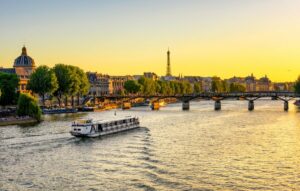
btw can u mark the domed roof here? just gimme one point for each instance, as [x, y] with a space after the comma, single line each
[24, 59]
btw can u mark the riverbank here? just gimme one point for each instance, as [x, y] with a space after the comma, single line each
[16, 120]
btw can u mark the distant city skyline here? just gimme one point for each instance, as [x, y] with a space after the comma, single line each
[206, 38]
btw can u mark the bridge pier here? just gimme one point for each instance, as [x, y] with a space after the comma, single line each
[217, 105]
[286, 105]
[251, 105]
[155, 105]
[185, 105]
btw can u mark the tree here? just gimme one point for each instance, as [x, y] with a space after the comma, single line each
[84, 85]
[189, 88]
[297, 86]
[43, 81]
[225, 86]
[28, 106]
[8, 84]
[216, 84]
[197, 88]
[148, 86]
[235, 87]
[132, 86]
[75, 83]
[63, 75]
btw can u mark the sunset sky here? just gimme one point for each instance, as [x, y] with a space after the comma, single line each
[118, 37]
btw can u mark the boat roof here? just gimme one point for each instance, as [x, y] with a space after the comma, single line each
[105, 120]
[113, 120]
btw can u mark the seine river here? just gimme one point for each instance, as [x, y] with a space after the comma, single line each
[200, 149]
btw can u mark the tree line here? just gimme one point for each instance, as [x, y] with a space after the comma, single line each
[147, 86]
[62, 81]
[218, 85]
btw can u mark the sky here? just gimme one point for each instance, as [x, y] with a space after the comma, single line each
[206, 37]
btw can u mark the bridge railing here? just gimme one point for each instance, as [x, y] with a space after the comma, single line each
[209, 95]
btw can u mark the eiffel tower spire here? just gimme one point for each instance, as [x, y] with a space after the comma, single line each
[168, 64]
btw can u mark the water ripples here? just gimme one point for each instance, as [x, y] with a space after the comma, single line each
[232, 149]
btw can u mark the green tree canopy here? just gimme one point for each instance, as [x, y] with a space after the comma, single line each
[297, 85]
[8, 84]
[28, 106]
[43, 81]
[63, 75]
[71, 81]
[84, 85]
[148, 86]
[235, 87]
[197, 88]
[132, 86]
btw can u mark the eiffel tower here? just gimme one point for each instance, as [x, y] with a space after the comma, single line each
[168, 64]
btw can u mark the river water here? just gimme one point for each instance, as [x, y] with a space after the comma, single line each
[200, 149]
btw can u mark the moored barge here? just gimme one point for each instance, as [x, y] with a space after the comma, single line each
[90, 128]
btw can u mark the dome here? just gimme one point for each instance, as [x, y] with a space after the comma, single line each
[24, 59]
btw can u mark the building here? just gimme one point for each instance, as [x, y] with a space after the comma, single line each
[151, 75]
[100, 84]
[281, 86]
[117, 84]
[207, 84]
[103, 84]
[23, 67]
[236, 80]
[264, 84]
[250, 82]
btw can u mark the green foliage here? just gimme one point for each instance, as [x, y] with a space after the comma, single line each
[197, 88]
[297, 86]
[71, 81]
[28, 106]
[235, 87]
[151, 87]
[8, 84]
[132, 86]
[219, 85]
[216, 85]
[43, 81]
[225, 86]
[84, 85]
[63, 75]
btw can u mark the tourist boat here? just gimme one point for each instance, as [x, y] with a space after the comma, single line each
[90, 128]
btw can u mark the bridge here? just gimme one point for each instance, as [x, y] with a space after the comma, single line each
[284, 96]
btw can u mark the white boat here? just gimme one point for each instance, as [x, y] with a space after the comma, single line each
[90, 128]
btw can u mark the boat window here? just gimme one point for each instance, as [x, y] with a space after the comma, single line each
[116, 123]
[100, 127]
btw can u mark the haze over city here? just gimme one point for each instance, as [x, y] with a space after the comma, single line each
[206, 38]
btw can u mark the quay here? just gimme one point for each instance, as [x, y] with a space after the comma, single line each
[251, 97]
